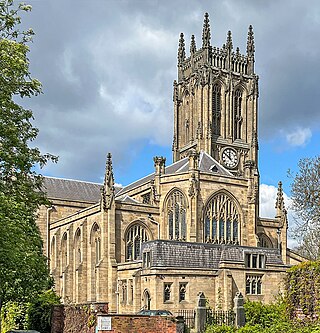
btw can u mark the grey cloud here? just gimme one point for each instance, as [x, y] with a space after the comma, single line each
[107, 68]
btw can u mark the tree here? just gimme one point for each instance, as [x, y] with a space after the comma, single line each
[23, 267]
[305, 194]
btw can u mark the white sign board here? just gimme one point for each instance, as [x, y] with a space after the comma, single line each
[104, 324]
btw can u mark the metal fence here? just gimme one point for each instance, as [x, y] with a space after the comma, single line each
[189, 317]
[220, 317]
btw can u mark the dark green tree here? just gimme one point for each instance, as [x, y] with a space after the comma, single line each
[305, 194]
[23, 268]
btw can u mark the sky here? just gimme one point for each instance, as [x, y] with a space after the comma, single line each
[107, 68]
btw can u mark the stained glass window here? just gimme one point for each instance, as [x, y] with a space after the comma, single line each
[221, 220]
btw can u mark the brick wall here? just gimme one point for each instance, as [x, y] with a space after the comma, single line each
[142, 324]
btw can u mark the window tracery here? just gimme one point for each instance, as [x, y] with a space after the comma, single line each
[176, 215]
[136, 235]
[221, 221]
[254, 284]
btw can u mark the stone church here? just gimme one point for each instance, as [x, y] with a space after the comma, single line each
[188, 227]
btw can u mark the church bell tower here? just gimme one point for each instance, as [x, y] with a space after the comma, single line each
[216, 102]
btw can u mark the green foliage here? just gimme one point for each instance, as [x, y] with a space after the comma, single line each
[264, 315]
[40, 311]
[303, 290]
[220, 329]
[14, 316]
[23, 268]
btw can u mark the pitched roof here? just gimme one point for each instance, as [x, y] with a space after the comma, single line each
[207, 164]
[74, 190]
[166, 253]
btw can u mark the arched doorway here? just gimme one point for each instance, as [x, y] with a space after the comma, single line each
[146, 300]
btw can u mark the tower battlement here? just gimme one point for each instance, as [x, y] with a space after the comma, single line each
[219, 59]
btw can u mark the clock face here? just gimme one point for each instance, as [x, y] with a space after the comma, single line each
[229, 158]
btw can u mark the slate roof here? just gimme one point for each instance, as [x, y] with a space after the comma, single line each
[207, 164]
[74, 190]
[202, 255]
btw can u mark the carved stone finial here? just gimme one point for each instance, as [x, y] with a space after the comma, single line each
[206, 35]
[181, 50]
[175, 91]
[159, 164]
[107, 191]
[250, 42]
[280, 201]
[193, 47]
[229, 44]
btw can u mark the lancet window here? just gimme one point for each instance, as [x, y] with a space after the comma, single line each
[216, 109]
[176, 215]
[237, 112]
[77, 247]
[96, 243]
[53, 253]
[221, 221]
[64, 251]
[136, 235]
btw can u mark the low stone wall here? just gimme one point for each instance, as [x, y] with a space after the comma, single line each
[144, 324]
[83, 318]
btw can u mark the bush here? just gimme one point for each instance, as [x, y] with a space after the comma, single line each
[220, 329]
[264, 315]
[14, 316]
[40, 311]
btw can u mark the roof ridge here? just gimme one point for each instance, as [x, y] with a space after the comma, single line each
[73, 180]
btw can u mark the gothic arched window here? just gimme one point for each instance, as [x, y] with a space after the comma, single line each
[136, 235]
[216, 109]
[77, 247]
[96, 244]
[176, 215]
[237, 114]
[221, 220]
[264, 241]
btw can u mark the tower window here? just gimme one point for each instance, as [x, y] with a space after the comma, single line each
[216, 109]
[237, 114]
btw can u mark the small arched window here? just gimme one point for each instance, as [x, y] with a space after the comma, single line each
[176, 215]
[96, 243]
[237, 114]
[77, 247]
[221, 220]
[136, 235]
[216, 109]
